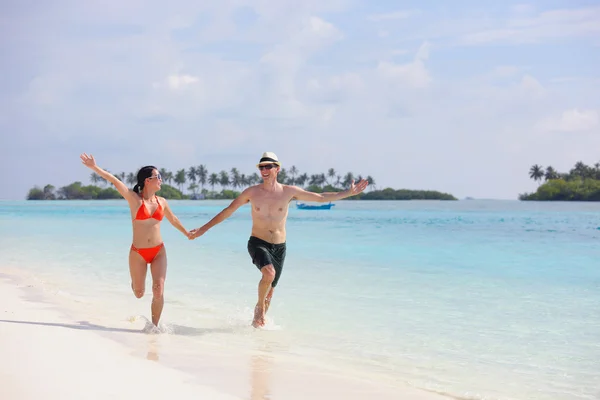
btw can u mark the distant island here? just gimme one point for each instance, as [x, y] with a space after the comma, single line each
[198, 177]
[581, 183]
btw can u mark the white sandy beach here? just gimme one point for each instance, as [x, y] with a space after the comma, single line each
[41, 359]
[48, 355]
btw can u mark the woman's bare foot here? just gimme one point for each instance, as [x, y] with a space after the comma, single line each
[259, 317]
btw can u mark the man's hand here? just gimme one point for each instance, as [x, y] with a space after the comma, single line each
[194, 233]
[358, 188]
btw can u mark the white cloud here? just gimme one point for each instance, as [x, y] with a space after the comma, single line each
[313, 35]
[547, 25]
[412, 74]
[532, 85]
[316, 34]
[573, 120]
[284, 64]
[334, 89]
[175, 82]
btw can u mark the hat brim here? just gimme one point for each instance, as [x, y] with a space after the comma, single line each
[269, 162]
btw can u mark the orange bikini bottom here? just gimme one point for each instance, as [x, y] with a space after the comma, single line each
[148, 253]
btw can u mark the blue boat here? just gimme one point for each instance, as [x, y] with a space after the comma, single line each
[303, 206]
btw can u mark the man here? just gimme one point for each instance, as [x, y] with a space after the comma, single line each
[266, 245]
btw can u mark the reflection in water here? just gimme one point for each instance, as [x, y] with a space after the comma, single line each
[260, 370]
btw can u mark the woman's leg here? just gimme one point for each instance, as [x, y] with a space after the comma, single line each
[158, 269]
[137, 270]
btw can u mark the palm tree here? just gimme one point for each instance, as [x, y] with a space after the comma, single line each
[202, 174]
[371, 182]
[163, 173]
[322, 180]
[302, 179]
[224, 179]
[192, 174]
[180, 178]
[168, 177]
[293, 173]
[49, 192]
[536, 173]
[235, 178]
[582, 170]
[348, 180]
[244, 180]
[313, 180]
[193, 188]
[213, 179]
[132, 178]
[95, 178]
[331, 174]
[282, 176]
[550, 173]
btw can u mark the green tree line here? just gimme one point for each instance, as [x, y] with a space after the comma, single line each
[198, 181]
[581, 183]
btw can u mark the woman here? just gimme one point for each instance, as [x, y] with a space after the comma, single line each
[147, 211]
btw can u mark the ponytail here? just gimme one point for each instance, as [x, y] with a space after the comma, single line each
[142, 175]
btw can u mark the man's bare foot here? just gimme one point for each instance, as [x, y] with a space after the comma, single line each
[259, 317]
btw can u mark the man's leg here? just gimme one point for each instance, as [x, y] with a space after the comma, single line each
[278, 256]
[264, 286]
[268, 299]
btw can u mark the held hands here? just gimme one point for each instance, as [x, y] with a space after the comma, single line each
[88, 161]
[194, 233]
[358, 188]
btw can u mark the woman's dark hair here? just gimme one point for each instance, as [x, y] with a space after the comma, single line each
[143, 173]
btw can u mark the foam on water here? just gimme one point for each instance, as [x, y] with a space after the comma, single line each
[476, 299]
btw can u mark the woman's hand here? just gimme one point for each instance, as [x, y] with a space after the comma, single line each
[88, 161]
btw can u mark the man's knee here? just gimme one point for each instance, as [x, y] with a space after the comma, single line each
[158, 288]
[268, 273]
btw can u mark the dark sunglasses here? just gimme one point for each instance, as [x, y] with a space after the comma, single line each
[267, 167]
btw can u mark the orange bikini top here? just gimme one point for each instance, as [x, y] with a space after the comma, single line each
[144, 214]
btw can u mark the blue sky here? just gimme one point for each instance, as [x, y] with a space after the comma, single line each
[457, 96]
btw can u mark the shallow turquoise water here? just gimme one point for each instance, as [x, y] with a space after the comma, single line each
[476, 299]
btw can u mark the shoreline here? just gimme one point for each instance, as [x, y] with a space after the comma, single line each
[43, 343]
[45, 360]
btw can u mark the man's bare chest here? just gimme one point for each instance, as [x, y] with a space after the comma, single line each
[270, 203]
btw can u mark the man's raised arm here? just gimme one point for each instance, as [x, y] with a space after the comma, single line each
[301, 194]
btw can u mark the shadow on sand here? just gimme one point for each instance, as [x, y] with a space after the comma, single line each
[87, 326]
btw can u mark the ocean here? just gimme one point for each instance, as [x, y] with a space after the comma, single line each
[473, 299]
